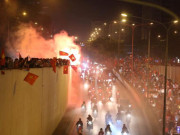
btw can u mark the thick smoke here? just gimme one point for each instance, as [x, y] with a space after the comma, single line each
[28, 42]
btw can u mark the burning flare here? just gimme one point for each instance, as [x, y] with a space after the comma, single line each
[28, 42]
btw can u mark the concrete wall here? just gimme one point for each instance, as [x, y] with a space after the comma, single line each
[173, 72]
[32, 110]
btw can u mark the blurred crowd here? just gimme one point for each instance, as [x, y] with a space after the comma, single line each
[26, 63]
[150, 84]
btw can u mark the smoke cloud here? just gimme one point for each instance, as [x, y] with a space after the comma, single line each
[28, 42]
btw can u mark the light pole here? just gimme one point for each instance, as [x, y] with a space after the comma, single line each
[165, 76]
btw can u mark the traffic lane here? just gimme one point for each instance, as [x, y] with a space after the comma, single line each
[67, 123]
[144, 120]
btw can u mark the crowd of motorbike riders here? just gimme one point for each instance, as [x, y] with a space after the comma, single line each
[150, 83]
[101, 82]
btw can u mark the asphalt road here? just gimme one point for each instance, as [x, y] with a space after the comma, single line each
[143, 121]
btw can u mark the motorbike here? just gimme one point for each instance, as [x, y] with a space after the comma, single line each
[108, 133]
[118, 118]
[128, 118]
[109, 120]
[79, 129]
[89, 125]
[125, 131]
[83, 109]
[95, 113]
[178, 129]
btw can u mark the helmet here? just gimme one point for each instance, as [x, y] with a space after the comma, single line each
[79, 119]
[83, 102]
[101, 129]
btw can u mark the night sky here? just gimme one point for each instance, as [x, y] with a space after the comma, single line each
[75, 16]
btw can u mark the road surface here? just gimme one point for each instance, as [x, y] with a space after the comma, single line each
[143, 122]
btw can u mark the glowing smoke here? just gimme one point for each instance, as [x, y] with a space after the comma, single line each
[28, 42]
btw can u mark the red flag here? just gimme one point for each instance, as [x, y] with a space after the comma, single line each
[53, 64]
[3, 72]
[30, 78]
[72, 57]
[65, 70]
[63, 53]
[74, 67]
[2, 57]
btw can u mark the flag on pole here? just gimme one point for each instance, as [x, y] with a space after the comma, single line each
[63, 53]
[65, 69]
[2, 57]
[30, 78]
[53, 64]
[74, 68]
[20, 56]
[72, 57]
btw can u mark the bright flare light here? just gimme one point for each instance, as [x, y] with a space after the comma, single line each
[86, 86]
[40, 47]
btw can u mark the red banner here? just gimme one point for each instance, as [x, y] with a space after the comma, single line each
[30, 78]
[63, 53]
[65, 70]
[53, 64]
[72, 57]
[74, 68]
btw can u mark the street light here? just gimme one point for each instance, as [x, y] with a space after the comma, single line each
[123, 20]
[175, 21]
[24, 13]
[175, 32]
[159, 36]
[115, 22]
[124, 15]
[122, 29]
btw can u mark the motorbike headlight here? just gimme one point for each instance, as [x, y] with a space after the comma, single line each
[108, 133]
[129, 115]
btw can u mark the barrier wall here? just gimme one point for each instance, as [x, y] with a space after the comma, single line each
[32, 110]
[173, 72]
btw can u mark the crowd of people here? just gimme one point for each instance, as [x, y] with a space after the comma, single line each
[26, 63]
[151, 85]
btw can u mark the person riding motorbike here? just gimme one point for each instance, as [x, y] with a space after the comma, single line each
[79, 122]
[124, 129]
[89, 118]
[108, 118]
[83, 106]
[108, 129]
[95, 108]
[118, 116]
[89, 122]
[101, 132]
[79, 125]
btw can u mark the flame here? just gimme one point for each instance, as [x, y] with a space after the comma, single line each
[28, 42]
